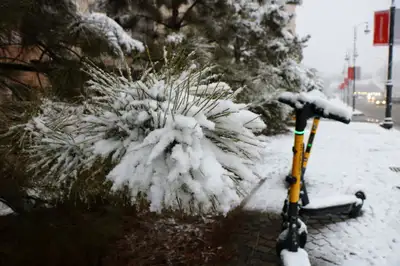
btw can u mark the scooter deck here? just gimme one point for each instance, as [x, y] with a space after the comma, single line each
[338, 204]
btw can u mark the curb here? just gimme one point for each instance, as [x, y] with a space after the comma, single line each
[358, 114]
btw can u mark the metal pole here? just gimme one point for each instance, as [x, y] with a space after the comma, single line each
[388, 122]
[354, 67]
[347, 92]
[343, 91]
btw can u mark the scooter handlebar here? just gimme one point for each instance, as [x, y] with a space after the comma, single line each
[287, 101]
[317, 106]
[321, 113]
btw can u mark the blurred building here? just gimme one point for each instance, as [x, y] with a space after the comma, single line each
[291, 8]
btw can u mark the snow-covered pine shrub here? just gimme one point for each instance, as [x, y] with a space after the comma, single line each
[173, 137]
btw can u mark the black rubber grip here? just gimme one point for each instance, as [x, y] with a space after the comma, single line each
[288, 102]
[320, 112]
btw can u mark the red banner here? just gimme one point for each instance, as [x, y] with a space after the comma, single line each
[350, 73]
[354, 73]
[381, 27]
[346, 81]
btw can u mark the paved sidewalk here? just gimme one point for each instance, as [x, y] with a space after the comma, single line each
[257, 232]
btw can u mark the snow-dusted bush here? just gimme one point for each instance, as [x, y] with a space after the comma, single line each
[173, 137]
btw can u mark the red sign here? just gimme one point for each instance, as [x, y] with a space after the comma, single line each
[354, 73]
[346, 81]
[350, 73]
[342, 86]
[381, 27]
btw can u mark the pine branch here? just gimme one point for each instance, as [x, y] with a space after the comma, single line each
[188, 12]
[154, 20]
[20, 67]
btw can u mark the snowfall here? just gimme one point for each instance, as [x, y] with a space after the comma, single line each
[344, 159]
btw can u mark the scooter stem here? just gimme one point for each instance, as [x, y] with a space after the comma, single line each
[295, 186]
[304, 197]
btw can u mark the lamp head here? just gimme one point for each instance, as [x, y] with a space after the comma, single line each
[367, 30]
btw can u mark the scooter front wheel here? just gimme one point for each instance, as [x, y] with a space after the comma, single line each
[356, 209]
[283, 243]
[300, 257]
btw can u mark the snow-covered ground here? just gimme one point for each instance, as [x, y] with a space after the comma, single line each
[344, 159]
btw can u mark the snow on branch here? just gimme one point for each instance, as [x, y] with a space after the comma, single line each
[300, 76]
[100, 26]
[182, 148]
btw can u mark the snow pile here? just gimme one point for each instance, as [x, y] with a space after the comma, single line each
[299, 258]
[324, 107]
[182, 151]
[105, 28]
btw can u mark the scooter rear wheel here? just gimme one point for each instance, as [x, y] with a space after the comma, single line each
[356, 210]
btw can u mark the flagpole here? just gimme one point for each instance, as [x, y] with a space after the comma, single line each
[354, 67]
[347, 92]
[355, 55]
[388, 122]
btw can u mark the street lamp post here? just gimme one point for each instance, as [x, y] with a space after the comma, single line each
[388, 122]
[355, 55]
[347, 89]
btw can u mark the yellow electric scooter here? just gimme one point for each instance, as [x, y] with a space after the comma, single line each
[293, 237]
[333, 208]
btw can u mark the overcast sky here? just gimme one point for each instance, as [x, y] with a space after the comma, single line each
[330, 24]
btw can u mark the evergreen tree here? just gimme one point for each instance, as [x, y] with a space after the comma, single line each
[60, 35]
[249, 41]
[46, 38]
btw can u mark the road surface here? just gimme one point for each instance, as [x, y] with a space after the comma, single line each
[377, 112]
